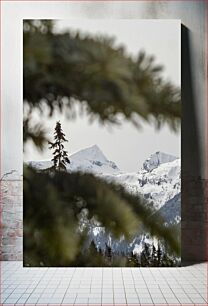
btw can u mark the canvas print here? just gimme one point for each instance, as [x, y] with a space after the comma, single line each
[101, 131]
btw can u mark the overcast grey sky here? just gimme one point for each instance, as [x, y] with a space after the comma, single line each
[127, 146]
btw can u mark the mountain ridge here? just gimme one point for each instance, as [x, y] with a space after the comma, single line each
[157, 159]
[158, 182]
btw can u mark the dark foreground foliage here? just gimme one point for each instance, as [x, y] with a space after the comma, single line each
[53, 207]
[61, 69]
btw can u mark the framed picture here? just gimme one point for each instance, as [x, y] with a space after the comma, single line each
[102, 161]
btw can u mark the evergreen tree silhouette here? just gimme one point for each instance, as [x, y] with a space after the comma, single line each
[145, 257]
[108, 253]
[133, 260]
[159, 255]
[154, 259]
[60, 158]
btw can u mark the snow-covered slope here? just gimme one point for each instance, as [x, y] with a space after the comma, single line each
[157, 159]
[90, 159]
[41, 164]
[171, 210]
[158, 185]
[158, 181]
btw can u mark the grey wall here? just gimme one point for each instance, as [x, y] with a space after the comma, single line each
[194, 79]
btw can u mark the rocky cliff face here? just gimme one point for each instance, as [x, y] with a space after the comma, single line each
[157, 159]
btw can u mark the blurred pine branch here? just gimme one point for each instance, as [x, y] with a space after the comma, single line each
[60, 68]
[51, 222]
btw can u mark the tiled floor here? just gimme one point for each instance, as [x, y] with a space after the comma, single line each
[103, 286]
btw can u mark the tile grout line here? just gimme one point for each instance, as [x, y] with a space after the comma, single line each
[135, 286]
[69, 286]
[123, 284]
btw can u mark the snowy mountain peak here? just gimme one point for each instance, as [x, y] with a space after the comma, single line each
[157, 159]
[90, 153]
[90, 159]
[159, 182]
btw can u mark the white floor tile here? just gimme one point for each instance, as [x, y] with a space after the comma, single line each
[135, 286]
[81, 301]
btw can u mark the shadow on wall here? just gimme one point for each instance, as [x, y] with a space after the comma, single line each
[193, 226]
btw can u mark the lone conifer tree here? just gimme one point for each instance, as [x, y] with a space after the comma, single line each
[60, 158]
